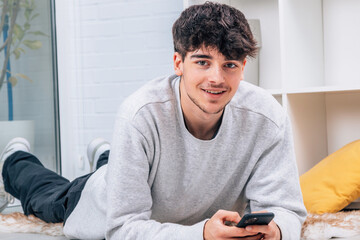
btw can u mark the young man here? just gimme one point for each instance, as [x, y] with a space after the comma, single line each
[190, 152]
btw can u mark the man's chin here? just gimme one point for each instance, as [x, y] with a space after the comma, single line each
[207, 107]
[213, 110]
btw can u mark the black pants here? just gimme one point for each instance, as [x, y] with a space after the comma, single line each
[41, 191]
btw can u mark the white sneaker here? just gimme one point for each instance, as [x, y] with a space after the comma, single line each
[16, 144]
[95, 148]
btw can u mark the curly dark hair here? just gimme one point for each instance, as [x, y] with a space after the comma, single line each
[216, 26]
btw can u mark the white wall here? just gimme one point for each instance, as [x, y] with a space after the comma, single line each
[106, 50]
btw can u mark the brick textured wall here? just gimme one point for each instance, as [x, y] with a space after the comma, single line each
[118, 46]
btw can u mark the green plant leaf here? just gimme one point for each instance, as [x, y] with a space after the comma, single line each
[17, 53]
[34, 16]
[27, 26]
[33, 6]
[27, 13]
[13, 80]
[18, 32]
[21, 50]
[39, 33]
[24, 77]
[35, 44]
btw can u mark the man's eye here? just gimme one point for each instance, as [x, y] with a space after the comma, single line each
[202, 63]
[231, 65]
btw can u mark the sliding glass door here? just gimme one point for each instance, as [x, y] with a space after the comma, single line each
[28, 80]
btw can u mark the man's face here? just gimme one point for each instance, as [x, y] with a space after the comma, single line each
[208, 80]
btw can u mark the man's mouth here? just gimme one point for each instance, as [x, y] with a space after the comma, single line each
[213, 91]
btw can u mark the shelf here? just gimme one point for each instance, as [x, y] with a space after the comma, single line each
[275, 91]
[326, 89]
[323, 122]
[308, 119]
[341, 41]
[302, 48]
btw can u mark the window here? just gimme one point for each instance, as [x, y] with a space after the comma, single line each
[28, 91]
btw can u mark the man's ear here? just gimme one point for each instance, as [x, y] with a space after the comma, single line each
[243, 65]
[242, 69]
[178, 64]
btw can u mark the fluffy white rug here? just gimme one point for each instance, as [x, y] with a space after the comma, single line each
[316, 227]
[328, 225]
[19, 223]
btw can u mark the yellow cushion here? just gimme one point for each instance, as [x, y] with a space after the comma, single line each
[334, 182]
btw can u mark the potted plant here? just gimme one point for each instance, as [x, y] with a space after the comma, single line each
[16, 36]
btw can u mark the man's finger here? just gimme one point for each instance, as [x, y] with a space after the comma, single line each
[258, 236]
[267, 229]
[228, 216]
[240, 232]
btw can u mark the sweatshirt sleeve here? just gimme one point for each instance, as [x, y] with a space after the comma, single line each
[274, 184]
[129, 200]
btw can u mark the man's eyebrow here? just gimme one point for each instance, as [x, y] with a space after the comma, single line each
[201, 56]
[210, 57]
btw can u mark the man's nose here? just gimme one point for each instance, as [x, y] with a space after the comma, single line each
[216, 75]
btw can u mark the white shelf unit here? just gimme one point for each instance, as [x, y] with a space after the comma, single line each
[323, 122]
[309, 61]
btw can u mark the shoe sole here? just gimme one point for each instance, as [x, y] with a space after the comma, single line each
[14, 141]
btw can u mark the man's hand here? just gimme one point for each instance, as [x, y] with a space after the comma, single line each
[215, 228]
[271, 231]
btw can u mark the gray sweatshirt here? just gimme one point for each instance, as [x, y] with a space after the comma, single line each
[163, 183]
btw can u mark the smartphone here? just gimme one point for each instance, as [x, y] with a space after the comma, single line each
[255, 219]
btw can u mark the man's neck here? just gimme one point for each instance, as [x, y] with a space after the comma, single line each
[201, 128]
